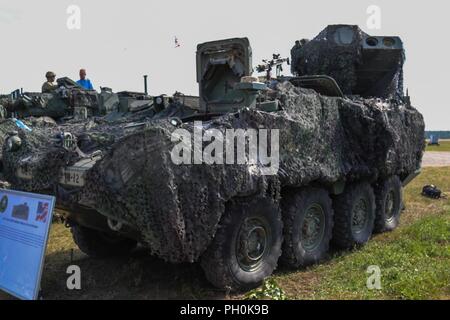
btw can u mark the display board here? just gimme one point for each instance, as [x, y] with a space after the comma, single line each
[25, 220]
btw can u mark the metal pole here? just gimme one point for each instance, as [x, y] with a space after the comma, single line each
[145, 84]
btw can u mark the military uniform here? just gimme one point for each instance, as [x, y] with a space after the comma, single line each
[49, 87]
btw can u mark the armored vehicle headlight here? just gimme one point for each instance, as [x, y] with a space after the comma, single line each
[159, 100]
[13, 143]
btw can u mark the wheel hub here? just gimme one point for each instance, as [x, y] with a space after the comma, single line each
[313, 227]
[360, 216]
[389, 205]
[252, 245]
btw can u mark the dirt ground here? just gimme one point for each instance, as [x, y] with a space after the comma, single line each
[139, 276]
[436, 159]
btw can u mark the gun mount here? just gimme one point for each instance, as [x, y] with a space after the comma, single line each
[276, 63]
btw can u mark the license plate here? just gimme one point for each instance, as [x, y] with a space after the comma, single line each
[75, 175]
[72, 177]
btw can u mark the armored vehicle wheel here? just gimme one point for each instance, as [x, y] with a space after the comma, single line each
[389, 204]
[308, 227]
[247, 245]
[98, 244]
[354, 216]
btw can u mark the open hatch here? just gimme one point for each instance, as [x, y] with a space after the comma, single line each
[220, 67]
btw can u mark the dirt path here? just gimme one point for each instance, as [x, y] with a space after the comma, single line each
[436, 159]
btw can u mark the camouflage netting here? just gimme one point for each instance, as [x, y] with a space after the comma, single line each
[5, 127]
[337, 52]
[177, 208]
[322, 56]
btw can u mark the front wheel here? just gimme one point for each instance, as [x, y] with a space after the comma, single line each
[247, 245]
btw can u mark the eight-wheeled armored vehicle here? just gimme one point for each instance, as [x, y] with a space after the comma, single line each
[341, 137]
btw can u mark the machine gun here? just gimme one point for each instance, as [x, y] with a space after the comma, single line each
[269, 65]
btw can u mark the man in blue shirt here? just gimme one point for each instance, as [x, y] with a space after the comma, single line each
[85, 83]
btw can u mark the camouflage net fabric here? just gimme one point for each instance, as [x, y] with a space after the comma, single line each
[341, 59]
[177, 208]
[6, 126]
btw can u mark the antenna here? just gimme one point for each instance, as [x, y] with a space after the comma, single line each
[145, 85]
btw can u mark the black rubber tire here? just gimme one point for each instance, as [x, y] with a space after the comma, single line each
[220, 262]
[100, 245]
[383, 222]
[343, 235]
[294, 209]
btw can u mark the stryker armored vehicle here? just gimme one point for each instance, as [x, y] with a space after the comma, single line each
[21, 211]
[344, 141]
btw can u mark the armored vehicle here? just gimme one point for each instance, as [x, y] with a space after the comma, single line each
[342, 138]
[21, 211]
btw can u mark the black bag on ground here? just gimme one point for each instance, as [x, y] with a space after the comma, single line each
[431, 191]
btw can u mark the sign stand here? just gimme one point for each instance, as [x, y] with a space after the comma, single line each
[25, 220]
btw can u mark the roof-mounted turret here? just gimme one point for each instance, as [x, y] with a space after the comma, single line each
[361, 64]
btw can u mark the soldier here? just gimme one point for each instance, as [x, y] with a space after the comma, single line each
[50, 85]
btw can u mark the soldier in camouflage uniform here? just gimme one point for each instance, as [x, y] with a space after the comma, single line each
[50, 85]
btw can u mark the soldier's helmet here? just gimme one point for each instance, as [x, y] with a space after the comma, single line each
[50, 74]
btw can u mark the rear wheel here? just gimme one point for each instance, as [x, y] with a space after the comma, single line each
[246, 247]
[97, 244]
[354, 216]
[308, 225]
[389, 204]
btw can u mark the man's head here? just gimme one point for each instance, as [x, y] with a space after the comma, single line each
[51, 76]
[83, 74]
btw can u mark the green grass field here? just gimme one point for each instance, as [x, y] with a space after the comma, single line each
[414, 262]
[443, 147]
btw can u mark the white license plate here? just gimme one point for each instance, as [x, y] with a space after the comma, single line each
[72, 177]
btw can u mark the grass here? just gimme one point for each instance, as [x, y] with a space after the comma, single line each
[414, 261]
[414, 264]
[443, 147]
